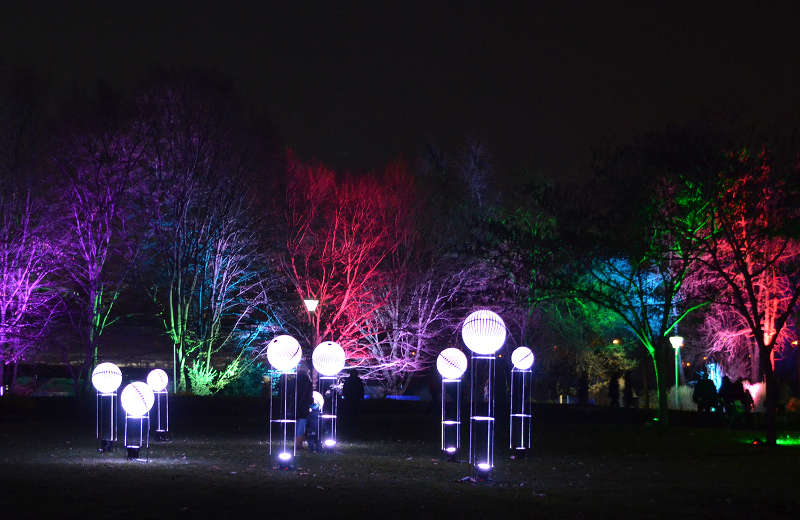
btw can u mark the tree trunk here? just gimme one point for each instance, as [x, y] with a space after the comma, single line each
[12, 385]
[771, 401]
[659, 362]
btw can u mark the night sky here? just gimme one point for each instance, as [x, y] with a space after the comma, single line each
[357, 85]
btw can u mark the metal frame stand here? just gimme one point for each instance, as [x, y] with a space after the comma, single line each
[326, 430]
[135, 443]
[106, 421]
[481, 416]
[283, 419]
[521, 416]
[161, 409]
[451, 417]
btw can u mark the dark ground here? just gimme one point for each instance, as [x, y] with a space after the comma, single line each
[585, 463]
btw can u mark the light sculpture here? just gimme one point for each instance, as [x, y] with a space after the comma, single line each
[451, 364]
[283, 353]
[521, 415]
[328, 359]
[484, 333]
[158, 380]
[137, 398]
[106, 378]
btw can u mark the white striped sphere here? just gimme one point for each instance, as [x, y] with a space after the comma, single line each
[106, 378]
[522, 358]
[484, 332]
[328, 358]
[137, 398]
[319, 399]
[157, 379]
[284, 353]
[451, 363]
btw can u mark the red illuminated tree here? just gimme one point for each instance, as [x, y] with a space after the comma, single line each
[751, 255]
[339, 233]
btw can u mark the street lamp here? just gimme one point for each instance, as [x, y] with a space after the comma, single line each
[311, 305]
[677, 343]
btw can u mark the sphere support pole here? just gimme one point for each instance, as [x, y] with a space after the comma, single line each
[521, 416]
[327, 419]
[106, 421]
[482, 419]
[451, 417]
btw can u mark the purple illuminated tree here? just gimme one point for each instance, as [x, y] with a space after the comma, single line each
[29, 294]
[97, 171]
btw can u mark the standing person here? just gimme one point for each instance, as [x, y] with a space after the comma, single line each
[613, 390]
[352, 393]
[705, 395]
[305, 398]
[627, 392]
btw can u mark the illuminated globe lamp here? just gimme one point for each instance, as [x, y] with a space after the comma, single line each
[521, 415]
[106, 378]
[451, 364]
[137, 399]
[283, 354]
[484, 333]
[158, 381]
[328, 359]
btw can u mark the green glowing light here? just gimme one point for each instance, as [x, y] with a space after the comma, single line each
[788, 441]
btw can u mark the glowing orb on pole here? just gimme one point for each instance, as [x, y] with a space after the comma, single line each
[451, 363]
[106, 378]
[484, 332]
[284, 353]
[328, 358]
[522, 358]
[157, 379]
[318, 399]
[137, 398]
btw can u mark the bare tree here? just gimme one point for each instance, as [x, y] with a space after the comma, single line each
[338, 236]
[211, 280]
[97, 169]
[29, 296]
[751, 252]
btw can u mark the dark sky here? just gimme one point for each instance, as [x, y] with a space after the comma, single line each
[358, 84]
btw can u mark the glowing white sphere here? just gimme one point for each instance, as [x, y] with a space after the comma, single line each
[328, 358]
[522, 358]
[284, 353]
[157, 379]
[484, 332]
[451, 363]
[137, 398]
[318, 399]
[106, 378]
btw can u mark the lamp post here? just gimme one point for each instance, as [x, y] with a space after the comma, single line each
[283, 354]
[677, 343]
[521, 415]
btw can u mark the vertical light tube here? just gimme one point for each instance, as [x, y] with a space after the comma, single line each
[327, 417]
[521, 416]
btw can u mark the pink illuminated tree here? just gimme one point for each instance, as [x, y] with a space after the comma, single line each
[339, 234]
[751, 260]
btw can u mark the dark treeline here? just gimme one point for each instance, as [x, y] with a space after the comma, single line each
[174, 200]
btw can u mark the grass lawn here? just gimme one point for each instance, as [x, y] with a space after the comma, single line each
[585, 463]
